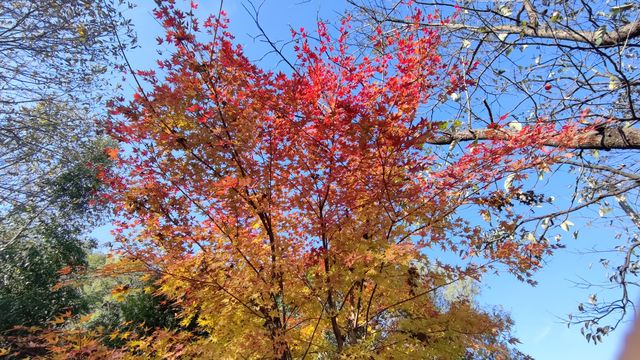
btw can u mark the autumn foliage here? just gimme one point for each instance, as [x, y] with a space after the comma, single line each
[302, 214]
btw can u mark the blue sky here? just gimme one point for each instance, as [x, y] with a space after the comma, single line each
[538, 312]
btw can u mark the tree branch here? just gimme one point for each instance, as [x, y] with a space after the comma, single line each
[610, 38]
[531, 13]
[605, 139]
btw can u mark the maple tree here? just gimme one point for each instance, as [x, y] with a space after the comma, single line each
[301, 214]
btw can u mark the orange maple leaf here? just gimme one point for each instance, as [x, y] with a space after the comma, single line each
[112, 153]
[65, 270]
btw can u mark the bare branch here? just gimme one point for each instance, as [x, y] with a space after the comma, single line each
[605, 139]
[531, 13]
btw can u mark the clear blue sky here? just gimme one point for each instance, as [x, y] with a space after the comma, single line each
[538, 312]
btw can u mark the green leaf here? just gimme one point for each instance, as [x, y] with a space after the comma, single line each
[505, 10]
[615, 10]
[531, 237]
[598, 36]
[515, 125]
[566, 224]
[509, 181]
[486, 216]
[509, 50]
[604, 210]
[613, 81]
